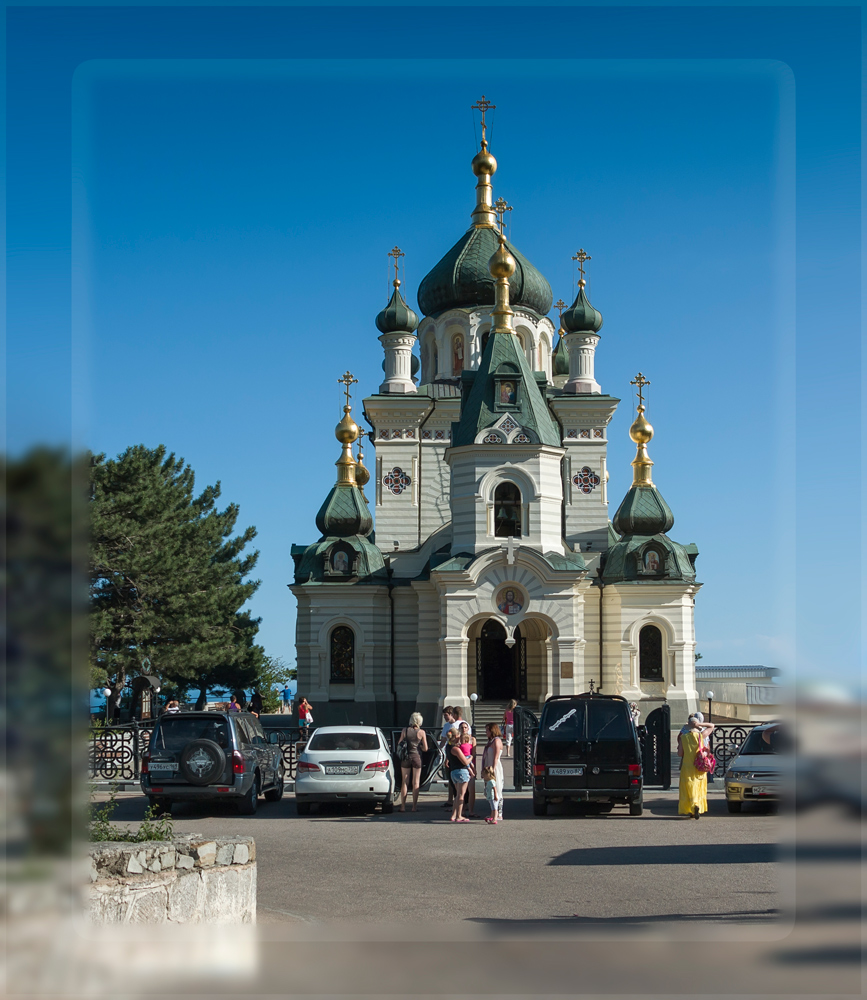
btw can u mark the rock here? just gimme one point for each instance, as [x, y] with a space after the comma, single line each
[242, 854]
[225, 853]
[205, 853]
[184, 861]
[133, 866]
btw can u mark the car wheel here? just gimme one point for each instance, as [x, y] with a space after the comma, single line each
[540, 806]
[248, 805]
[636, 808]
[302, 808]
[387, 805]
[159, 807]
[734, 807]
[276, 793]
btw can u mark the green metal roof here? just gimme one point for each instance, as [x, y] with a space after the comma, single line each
[560, 365]
[581, 316]
[623, 560]
[344, 513]
[397, 317]
[310, 561]
[503, 353]
[462, 277]
[643, 511]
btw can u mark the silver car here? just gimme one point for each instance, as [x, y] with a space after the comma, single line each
[345, 764]
[761, 769]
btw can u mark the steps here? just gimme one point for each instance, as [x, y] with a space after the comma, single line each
[492, 711]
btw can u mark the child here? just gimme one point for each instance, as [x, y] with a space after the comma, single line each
[509, 725]
[491, 794]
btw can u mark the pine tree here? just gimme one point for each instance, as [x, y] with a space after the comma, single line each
[167, 580]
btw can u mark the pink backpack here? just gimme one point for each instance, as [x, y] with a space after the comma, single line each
[704, 760]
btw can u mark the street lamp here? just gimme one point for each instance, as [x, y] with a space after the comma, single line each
[473, 699]
[709, 713]
[107, 692]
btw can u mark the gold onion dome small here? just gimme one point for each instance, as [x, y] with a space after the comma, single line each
[347, 430]
[641, 430]
[502, 264]
[362, 475]
[483, 161]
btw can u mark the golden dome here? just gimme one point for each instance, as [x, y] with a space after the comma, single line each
[502, 264]
[483, 161]
[362, 476]
[641, 431]
[347, 430]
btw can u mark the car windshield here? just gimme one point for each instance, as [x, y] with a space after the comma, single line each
[608, 720]
[766, 741]
[563, 721]
[343, 741]
[175, 732]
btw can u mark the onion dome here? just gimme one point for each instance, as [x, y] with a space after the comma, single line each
[560, 364]
[362, 475]
[344, 513]
[643, 512]
[462, 278]
[581, 317]
[397, 317]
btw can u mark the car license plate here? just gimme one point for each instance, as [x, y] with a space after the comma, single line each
[157, 765]
[341, 769]
[762, 790]
[560, 772]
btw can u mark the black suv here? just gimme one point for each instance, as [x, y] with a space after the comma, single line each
[587, 750]
[197, 756]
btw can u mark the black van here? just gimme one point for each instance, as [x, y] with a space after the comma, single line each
[587, 750]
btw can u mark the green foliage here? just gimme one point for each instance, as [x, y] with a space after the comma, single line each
[697, 657]
[272, 677]
[153, 827]
[167, 579]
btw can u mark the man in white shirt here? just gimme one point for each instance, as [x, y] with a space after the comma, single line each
[448, 723]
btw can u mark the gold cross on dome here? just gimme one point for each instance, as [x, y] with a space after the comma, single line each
[560, 305]
[581, 256]
[347, 380]
[641, 382]
[500, 207]
[397, 253]
[483, 105]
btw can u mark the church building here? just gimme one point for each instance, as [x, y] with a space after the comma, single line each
[494, 569]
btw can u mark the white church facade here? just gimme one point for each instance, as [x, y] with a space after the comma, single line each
[494, 568]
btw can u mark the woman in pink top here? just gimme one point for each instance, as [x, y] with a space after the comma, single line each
[509, 725]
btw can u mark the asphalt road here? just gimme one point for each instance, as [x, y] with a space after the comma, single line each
[342, 865]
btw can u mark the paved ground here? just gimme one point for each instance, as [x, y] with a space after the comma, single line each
[569, 866]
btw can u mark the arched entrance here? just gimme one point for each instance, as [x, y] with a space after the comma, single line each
[501, 670]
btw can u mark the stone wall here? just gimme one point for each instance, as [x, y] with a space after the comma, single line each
[187, 880]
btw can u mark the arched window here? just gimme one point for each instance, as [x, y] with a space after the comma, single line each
[650, 653]
[342, 655]
[507, 511]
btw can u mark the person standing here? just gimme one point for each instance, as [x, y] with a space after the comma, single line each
[305, 714]
[449, 725]
[693, 783]
[416, 743]
[492, 758]
[460, 751]
[233, 705]
[491, 795]
[509, 724]
[256, 706]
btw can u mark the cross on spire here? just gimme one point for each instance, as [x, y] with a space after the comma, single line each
[500, 207]
[581, 256]
[397, 253]
[347, 380]
[483, 105]
[641, 382]
[560, 305]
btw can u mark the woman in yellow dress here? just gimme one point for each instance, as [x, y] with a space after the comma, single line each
[693, 783]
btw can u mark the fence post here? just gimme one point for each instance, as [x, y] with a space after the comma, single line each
[135, 757]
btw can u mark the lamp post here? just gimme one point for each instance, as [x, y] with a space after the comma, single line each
[473, 699]
[107, 692]
[709, 714]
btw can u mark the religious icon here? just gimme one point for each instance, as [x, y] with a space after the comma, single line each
[507, 392]
[510, 601]
[651, 561]
[457, 354]
[340, 561]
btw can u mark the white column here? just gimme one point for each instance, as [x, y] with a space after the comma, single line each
[582, 352]
[398, 362]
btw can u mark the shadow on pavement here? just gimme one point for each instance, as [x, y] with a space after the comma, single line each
[671, 854]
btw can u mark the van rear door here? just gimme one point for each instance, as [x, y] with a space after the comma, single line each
[612, 744]
[562, 745]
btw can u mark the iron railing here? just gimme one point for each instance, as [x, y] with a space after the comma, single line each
[526, 728]
[114, 752]
[726, 740]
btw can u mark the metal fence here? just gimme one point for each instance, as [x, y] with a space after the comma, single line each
[725, 742]
[114, 752]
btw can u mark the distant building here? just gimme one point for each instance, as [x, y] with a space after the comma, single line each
[494, 568]
[746, 693]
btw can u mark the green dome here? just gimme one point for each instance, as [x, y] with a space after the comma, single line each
[643, 512]
[625, 560]
[462, 278]
[581, 317]
[397, 317]
[561, 358]
[344, 513]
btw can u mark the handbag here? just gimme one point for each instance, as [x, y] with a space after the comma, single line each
[704, 760]
[402, 752]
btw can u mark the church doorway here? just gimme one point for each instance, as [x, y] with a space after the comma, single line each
[501, 671]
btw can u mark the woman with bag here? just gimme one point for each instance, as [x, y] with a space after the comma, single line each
[695, 759]
[492, 758]
[412, 742]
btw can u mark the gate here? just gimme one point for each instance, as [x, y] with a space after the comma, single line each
[655, 737]
[526, 728]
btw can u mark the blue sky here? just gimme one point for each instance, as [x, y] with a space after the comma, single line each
[200, 203]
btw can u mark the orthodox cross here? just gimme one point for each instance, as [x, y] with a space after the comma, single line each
[581, 256]
[397, 253]
[641, 382]
[347, 380]
[500, 207]
[560, 305]
[483, 105]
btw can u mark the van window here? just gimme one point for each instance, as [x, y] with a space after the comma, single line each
[563, 721]
[174, 732]
[608, 720]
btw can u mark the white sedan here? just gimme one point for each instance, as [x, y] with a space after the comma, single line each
[345, 764]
